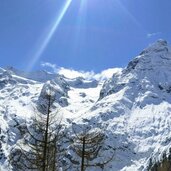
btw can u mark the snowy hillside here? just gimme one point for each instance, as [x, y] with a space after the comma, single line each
[132, 108]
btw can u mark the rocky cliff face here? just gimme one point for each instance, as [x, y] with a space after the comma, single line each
[133, 107]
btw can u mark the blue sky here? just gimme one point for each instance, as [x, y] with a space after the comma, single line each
[81, 34]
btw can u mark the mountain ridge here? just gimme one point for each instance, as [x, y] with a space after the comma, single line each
[134, 106]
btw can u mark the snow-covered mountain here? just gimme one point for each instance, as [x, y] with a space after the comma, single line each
[133, 107]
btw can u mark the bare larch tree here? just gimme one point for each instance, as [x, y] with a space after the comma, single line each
[87, 145]
[41, 149]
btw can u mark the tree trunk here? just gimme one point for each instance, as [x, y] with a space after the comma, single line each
[83, 155]
[46, 137]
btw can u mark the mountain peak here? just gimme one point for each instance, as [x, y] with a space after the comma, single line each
[158, 46]
[161, 42]
[156, 54]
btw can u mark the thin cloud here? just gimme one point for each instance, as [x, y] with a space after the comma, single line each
[106, 74]
[149, 35]
[68, 73]
[50, 65]
[71, 73]
[89, 75]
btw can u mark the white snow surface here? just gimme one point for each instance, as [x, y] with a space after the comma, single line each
[133, 107]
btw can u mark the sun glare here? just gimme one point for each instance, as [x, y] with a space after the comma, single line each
[80, 28]
[48, 37]
[128, 13]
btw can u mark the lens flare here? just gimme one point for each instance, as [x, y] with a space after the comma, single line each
[48, 37]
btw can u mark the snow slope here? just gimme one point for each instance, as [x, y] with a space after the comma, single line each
[133, 107]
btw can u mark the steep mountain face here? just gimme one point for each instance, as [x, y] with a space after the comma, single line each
[151, 68]
[132, 108]
[136, 103]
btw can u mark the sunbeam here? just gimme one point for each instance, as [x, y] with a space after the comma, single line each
[127, 12]
[80, 29]
[48, 37]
